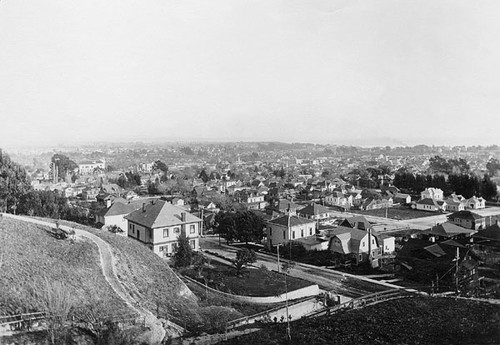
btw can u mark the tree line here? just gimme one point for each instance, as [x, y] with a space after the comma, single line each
[463, 184]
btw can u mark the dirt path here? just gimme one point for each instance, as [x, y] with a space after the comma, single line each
[156, 332]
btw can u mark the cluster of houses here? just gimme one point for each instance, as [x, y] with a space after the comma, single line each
[352, 239]
[432, 200]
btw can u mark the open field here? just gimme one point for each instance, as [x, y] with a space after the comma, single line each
[407, 321]
[402, 213]
[30, 255]
[253, 282]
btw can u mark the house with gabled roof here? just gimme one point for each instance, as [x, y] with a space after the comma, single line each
[288, 228]
[468, 220]
[430, 205]
[314, 212]
[354, 244]
[476, 203]
[448, 230]
[432, 193]
[158, 225]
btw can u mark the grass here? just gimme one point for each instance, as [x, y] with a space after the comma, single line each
[253, 281]
[209, 298]
[149, 279]
[407, 321]
[30, 255]
[402, 213]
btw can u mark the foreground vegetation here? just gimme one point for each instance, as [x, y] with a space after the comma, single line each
[403, 321]
[252, 282]
[31, 256]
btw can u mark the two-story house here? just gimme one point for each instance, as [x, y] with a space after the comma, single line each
[288, 228]
[158, 225]
[432, 193]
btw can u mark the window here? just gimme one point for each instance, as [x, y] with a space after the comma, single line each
[165, 233]
[192, 243]
[310, 231]
[284, 235]
[191, 229]
[363, 244]
[301, 232]
[270, 232]
[138, 234]
[293, 234]
[177, 230]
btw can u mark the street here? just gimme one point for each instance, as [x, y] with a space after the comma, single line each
[339, 283]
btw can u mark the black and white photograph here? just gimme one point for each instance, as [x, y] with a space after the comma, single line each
[249, 172]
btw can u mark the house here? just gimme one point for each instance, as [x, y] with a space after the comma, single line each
[115, 215]
[401, 198]
[158, 224]
[432, 193]
[338, 199]
[353, 244]
[454, 204]
[284, 206]
[446, 231]
[489, 237]
[434, 264]
[88, 167]
[476, 203]
[468, 220]
[356, 222]
[374, 204]
[112, 188]
[314, 212]
[288, 228]
[90, 193]
[429, 204]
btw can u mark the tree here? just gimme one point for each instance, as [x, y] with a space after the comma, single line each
[199, 263]
[64, 164]
[183, 255]
[489, 188]
[204, 176]
[250, 227]
[244, 257]
[225, 225]
[493, 166]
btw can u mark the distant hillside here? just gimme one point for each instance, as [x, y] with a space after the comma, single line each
[403, 321]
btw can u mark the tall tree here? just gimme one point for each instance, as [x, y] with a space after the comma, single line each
[183, 255]
[493, 166]
[250, 227]
[225, 225]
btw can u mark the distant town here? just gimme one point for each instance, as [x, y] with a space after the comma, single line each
[353, 225]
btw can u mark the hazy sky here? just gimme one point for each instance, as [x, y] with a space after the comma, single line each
[360, 72]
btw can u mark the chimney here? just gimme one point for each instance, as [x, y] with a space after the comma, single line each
[183, 216]
[143, 207]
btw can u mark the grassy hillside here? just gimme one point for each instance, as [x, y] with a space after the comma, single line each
[30, 254]
[404, 321]
[149, 279]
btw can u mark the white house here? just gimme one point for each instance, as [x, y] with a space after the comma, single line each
[432, 193]
[288, 228]
[476, 203]
[87, 167]
[158, 225]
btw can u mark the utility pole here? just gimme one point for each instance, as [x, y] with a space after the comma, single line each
[456, 271]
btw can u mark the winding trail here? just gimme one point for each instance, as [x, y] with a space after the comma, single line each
[156, 332]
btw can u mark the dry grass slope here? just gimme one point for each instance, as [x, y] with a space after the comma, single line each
[30, 254]
[149, 279]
